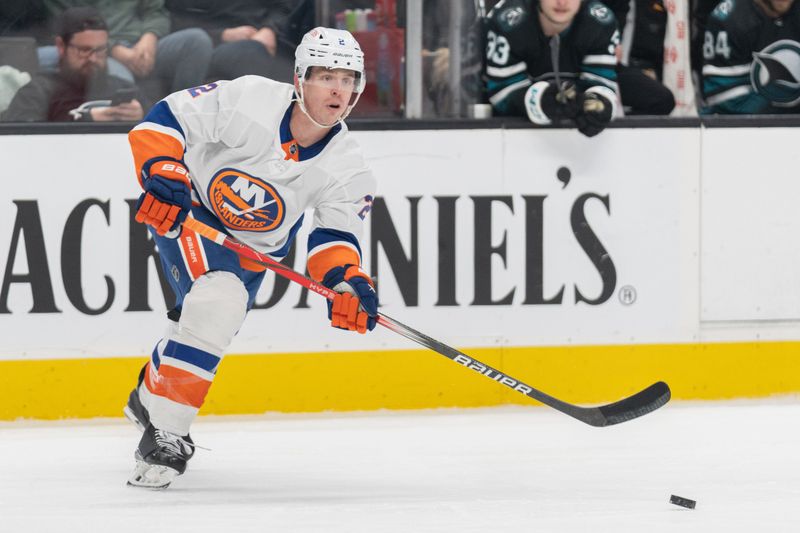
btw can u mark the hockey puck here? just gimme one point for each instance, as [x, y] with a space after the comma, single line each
[683, 502]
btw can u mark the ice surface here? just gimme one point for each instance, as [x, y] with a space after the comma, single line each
[482, 470]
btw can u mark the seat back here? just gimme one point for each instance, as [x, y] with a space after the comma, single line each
[20, 53]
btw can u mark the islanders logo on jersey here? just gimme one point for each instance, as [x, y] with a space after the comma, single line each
[245, 203]
[775, 73]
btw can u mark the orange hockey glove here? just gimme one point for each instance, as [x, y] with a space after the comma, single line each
[355, 308]
[167, 199]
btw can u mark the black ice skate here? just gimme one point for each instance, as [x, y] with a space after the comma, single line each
[160, 457]
[138, 415]
[135, 411]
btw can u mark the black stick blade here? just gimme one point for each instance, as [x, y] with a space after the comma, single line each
[641, 403]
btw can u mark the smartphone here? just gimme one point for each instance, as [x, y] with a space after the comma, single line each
[125, 95]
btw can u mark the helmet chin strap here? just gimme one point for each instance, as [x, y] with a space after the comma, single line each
[301, 102]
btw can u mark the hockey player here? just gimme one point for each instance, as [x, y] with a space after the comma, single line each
[524, 37]
[247, 157]
[751, 57]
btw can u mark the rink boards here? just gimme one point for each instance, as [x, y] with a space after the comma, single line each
[586, 268]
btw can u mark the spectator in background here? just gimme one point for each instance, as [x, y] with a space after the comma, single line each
[436, 56]
[247, 35]
[523, 79]
[700, 11]
[751, 53]
[141, 46]
[21, 22]
[82, 76]
[643, 24]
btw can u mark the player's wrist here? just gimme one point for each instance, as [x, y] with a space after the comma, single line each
[165, 168]
[353, 271]
[168, 168]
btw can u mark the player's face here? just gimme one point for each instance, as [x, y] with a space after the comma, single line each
[327, 93]
[560, 11]
[85, 54]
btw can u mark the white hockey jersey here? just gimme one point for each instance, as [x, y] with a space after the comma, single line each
[246, 169]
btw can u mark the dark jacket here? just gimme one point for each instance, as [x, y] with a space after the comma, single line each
[127, 20]
[23, 18]
[214, 16]
[50, 97]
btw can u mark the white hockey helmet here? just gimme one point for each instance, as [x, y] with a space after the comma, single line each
[330, 48]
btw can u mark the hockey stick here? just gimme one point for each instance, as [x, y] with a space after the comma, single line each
[626, 409]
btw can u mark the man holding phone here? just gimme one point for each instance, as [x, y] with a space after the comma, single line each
[81, 89]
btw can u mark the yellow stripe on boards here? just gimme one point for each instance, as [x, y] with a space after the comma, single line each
[412, 379]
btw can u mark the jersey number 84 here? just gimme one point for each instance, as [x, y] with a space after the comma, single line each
[720, 47]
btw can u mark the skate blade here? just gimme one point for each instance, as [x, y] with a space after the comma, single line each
[132, 417]
[155, 477]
